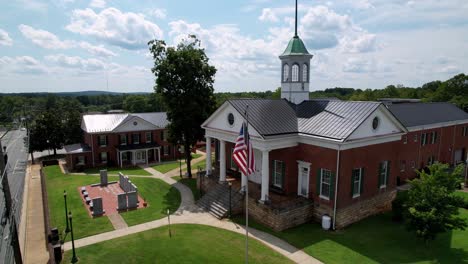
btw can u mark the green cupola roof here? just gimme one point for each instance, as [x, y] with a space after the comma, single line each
[295, 47]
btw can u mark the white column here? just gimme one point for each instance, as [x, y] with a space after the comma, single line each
[208, 156]
[222, 161]
[265, 176]
[133, 158]
[147, 151]
[159, 155]
[120, 154]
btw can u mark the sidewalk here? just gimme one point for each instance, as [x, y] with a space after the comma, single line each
[189, 213]
[35, 246]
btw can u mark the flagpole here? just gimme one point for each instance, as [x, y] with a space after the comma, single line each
[247, 187]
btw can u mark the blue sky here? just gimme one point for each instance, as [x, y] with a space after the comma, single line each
[75, 45]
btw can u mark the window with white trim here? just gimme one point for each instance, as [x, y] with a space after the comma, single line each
[405, 139]
[278, 171]
[135, 138]
[81, 160]
[402, 165]
[433, 137]
[103, 157]
[149, 137]
[123, 139]
[423, 139]
[356, 181]
[413, 164]
[165, 150]
[415, 138]
[102, 140]
[325, 183]
[285, 73]
[465, 131]
[295, 73]
[383, 174]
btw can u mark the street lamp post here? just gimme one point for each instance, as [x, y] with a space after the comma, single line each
[74, 258]
[230, 187]
[180, 161]
[67, 229]
[48, 148]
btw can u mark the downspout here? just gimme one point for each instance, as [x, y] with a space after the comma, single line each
[336, 185]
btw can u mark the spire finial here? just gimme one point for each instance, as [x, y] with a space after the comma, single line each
[295, 27]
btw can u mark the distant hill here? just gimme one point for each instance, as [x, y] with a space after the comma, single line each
[73, 94]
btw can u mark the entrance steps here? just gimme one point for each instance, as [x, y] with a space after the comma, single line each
[216, 201]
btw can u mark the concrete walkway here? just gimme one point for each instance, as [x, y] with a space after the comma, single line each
[35, 245]
[190, 213]
[117, 221]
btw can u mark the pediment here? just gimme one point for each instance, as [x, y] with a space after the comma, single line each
[134, 123]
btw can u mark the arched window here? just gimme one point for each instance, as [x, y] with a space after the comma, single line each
[305, 74]
[285, 73]
[295, 73]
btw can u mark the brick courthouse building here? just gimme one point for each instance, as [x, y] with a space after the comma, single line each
[339, 158]
[121, 140]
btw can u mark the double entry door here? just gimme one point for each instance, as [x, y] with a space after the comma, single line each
[140, 156]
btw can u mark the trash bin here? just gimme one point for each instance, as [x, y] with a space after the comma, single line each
[326, 222]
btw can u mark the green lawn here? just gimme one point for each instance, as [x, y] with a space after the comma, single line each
[160, 197]
[188, 244]
[462, 194]
[171, 165]
[135, 170]
[375, 240]
[191, 183]
[83, 225]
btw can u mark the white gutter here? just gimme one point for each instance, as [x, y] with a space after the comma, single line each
[336, 185]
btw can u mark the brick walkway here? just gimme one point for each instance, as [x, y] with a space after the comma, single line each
[189, 213]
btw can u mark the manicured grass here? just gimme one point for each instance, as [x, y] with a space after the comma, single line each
[375, 240]
[188, 244]
[83, 224]
[171, 165]
[159, 195]
[167, 166]
[462, 194]
[115, 171]
[191, 183]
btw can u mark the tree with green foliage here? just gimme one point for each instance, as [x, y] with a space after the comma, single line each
[184, 79]
[432, 206]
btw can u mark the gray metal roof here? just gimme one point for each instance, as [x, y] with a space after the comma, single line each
[108, 122]
[324, 118]
[419, 114]
[76, 148]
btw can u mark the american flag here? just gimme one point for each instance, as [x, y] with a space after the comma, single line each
[241, 152]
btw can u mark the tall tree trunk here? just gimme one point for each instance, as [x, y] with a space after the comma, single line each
[32, 158]
[55, 152]
[188, 157]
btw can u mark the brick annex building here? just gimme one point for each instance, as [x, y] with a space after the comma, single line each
[120, 140]
[339, 158]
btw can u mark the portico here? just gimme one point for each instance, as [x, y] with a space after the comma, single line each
[138, 154]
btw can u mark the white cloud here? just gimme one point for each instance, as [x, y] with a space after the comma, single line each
[126, 30]
[450, 69]
[97, 50]
[75, 62]
[23, 65]
[34, 5]
[268, 15]
[5, 39]
[362, 43]
[323, 19]
[48, 40]
[43, 38]
[160, 13]
[98, 3]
